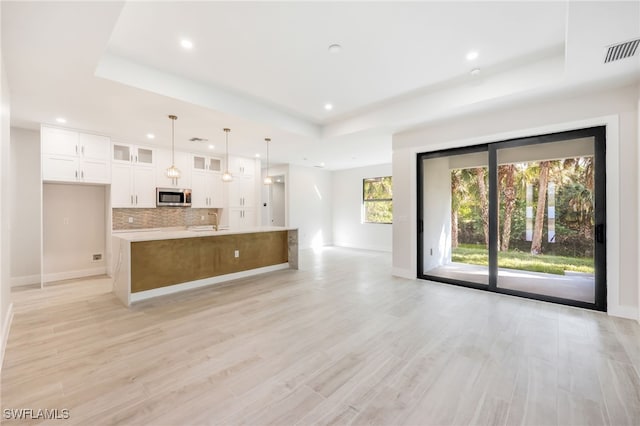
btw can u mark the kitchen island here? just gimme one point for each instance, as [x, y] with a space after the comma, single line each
[152, 263]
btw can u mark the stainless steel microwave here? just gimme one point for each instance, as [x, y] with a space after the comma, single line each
[172, 197]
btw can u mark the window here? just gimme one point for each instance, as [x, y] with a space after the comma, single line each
[377, 200]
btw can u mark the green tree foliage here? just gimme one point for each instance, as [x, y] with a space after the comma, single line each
[574, 180]
[378, 200]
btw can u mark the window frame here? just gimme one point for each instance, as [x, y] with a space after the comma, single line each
[365, 200]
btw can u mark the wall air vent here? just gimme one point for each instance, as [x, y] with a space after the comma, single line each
[194, 139]
[619, 51]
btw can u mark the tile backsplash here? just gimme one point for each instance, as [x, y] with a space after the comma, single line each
[162, 217]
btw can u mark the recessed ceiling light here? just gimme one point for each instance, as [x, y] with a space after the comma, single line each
[151, 136]
[187, 44]
[211, 146]
[475, 72]
[279, 180]
[257, 155]
[471, 56]
[61, 120]
[322, 164]
[328, 107]
[335, 48]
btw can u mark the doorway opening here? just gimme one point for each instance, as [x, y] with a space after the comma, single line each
[278, 205]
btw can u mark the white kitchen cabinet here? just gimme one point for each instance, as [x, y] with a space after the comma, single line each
[241, 166]
[240, 219]
[133, 171]
[132, 187]
[207, 190]
[75, 157]
[59, 141]
[132, 154]
[241, 192]
[206, 182]
[182, 162]
[205, 163]
[94, 147]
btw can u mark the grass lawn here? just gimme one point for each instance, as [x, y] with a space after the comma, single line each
[475, 255]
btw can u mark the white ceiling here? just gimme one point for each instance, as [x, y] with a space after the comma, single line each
[263, 69]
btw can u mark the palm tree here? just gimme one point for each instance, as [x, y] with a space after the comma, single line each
[543, 180]
[456, 187]
[507, 178]
[484, 202]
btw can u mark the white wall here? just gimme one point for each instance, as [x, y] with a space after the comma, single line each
[25, 212]
[618, 108]
[437, 213]
[5, 293]
[309, 191]
[348, 228]
[74, 229]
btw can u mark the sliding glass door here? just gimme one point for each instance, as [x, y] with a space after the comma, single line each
[523, 217]
[455, 206]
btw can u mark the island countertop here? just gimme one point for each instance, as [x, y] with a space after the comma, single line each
[173, 233]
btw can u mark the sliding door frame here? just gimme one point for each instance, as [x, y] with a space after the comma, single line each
[600, 247]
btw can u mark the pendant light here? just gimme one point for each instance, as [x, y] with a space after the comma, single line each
[267, 179]
[173, 172]
[226, 176]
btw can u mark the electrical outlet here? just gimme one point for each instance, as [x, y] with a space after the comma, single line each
[65, 220]
[201, 217]
[97, 257]
[237, 253]
[130, 219]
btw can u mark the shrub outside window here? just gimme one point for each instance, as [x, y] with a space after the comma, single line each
[377, 200]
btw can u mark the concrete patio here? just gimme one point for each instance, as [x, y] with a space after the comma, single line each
[572, 285]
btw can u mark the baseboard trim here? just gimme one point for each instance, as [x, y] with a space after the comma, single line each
[163, 291]
[629, 312]
[403, 273]
[363, 247]
[69, 275]
[25, 280]
[6, 327]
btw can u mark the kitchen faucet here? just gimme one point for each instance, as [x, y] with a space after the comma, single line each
[217, 223]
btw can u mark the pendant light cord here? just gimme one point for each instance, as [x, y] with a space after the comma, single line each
[226, 138]
[173, 148]
[267, 157]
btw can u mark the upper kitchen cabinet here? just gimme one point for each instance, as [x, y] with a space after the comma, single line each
[132, 154]
[204, 163]
[133, 170]
[241, 166]
[182, 162]
[133, 187]
[207, 187]
[71, 156]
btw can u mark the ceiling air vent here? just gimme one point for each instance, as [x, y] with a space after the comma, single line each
[621, 50]
[194, 139]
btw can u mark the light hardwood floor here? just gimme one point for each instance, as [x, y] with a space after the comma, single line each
[337, 342]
